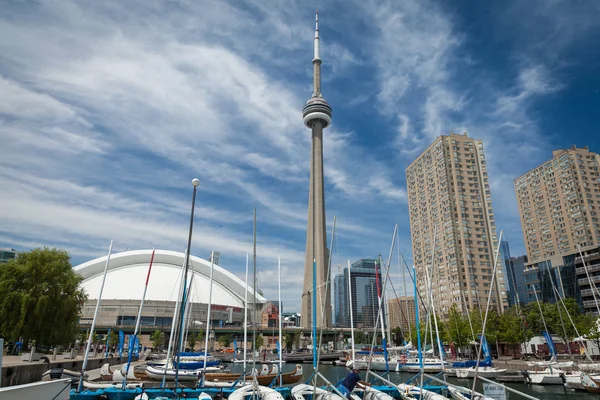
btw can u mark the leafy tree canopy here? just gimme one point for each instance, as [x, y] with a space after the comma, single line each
[40, 297]
[225, 340]
[158, 339]
[113, 338]
[260, 341]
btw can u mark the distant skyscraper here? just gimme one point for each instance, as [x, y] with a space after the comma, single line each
[365, 305]
[215, 257]
[507, 271]
[340, 294]
[559, 205]
[448, 189]
[517, 267]
[317, 117]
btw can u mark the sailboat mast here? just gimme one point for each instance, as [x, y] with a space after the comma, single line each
[417, 320]
[383, 339]
[139, 317]
[195, 183]
[405, 292]
[188, 302]
[210, 290]
[279, 307]
[89, 343]
[246, 315]
[254, 292]
[437, 332]
[174, 321]
[351, 316]
[487, 308]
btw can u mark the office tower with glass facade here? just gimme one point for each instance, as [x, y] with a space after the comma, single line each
[516, 266]
[559, 205]
[507, 271]
[365, 305]
[449, 195]
[340, 289]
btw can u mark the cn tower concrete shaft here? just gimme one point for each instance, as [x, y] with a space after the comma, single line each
[317, 116]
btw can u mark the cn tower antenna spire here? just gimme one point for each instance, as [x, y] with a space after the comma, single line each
[317, 60]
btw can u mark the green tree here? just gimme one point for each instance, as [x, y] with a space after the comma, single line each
[593, 334]
[459, 331]
[40, 297]
[260, 341]
[113, 338]
[397, 336]
[192, 338]
[511, 329]
[359, 337]
[289, 339]
[225, 340]
[158, 339]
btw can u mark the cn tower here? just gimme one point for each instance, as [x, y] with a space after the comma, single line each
[317, 116]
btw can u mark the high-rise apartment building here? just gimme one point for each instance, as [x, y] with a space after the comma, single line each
[402, 313]
[449, 194]
[559, 205]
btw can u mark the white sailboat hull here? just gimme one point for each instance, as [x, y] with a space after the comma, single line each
[376, 365]
[302, 391]
[43, 390]
[184, 375]
[486, 372]
[546, 377]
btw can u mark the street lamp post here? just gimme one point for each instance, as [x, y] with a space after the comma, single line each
[195, 184]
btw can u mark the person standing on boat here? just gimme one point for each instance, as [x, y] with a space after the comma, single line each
[351, 381]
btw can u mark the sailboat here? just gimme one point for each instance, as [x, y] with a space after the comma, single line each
[485, 368]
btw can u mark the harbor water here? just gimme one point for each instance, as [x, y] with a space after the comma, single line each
[549, 392]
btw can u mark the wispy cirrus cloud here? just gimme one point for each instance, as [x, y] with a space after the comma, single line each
[107, 110]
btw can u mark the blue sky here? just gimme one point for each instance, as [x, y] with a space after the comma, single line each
[109, 109]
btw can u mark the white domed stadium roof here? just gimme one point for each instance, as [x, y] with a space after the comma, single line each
[127, 273]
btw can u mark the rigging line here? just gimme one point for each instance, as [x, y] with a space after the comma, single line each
[387, 274]
[573, 323]
[487, 308]
[326, 293]
[412, 278]
[399, 305]
[428, 283]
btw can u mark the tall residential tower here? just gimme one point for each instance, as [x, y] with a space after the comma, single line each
[449, 193]
[317, 116]
[559, 204]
